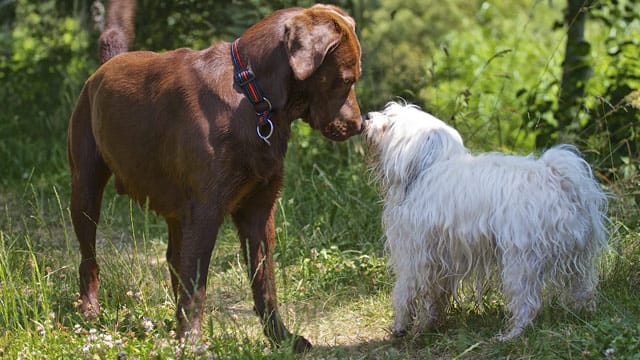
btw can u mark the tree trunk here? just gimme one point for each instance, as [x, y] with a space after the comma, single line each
[576, 70]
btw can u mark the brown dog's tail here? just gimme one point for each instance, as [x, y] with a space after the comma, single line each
[118, 32]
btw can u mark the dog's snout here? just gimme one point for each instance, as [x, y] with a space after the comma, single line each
[366, 117]
[363, 124]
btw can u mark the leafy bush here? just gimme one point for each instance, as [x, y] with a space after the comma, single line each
[608, 123]
[47, 61]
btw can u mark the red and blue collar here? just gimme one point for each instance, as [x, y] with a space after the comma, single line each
[246, 79]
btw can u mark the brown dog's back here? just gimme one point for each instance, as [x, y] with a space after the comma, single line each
[143, 107]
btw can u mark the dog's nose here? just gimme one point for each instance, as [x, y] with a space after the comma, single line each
[363, 125]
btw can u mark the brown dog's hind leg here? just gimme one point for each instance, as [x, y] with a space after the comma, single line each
[255, 223]
[199, 230]
[89, 175]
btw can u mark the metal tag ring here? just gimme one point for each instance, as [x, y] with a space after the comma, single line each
[265, 137]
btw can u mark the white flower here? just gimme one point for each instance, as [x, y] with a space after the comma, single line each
[147, 324]
[199, 349]
[609, 353]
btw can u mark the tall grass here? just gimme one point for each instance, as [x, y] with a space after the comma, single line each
[331, 275]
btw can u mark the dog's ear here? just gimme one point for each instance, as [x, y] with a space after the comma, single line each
[309, 37]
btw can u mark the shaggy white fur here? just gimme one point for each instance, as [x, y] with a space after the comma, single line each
[453, 219]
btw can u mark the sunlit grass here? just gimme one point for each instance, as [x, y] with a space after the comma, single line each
[332, 290]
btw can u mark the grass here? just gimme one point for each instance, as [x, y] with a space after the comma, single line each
[333, 283]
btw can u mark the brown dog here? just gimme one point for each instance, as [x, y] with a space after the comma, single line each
[176, 131]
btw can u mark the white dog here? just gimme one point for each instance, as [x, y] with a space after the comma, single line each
[452, 218]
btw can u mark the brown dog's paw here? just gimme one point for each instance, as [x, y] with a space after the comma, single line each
[301, 345]
[89, 312]
[89, 309]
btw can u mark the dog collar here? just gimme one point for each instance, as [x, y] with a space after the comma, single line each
[246, 79]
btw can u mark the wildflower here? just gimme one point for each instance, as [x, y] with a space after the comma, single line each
[198, 349]
[40, 330]
[609, 353]
[107, 340]
[147, 324]
[137, 296]
[92, 335]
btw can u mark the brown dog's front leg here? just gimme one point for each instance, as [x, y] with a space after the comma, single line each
[173, 254]
[255, 223]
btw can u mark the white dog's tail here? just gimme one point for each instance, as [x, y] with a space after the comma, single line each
[581, 187]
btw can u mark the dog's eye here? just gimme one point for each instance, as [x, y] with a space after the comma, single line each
[348, 81]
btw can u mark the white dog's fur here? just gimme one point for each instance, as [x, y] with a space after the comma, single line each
[452, 218]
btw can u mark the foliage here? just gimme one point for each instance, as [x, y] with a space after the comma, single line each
[471, 77]
[196, 24]
[608, 122]
[616, 108]
[614, 338]
[397, 37]
[476, 78]
[46, 61]
[337, 272]
[47, 47]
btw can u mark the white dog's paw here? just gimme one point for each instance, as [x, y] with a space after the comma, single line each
[398, 331]
[513, 333]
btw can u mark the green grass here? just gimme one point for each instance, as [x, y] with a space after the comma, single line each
[333, 283]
